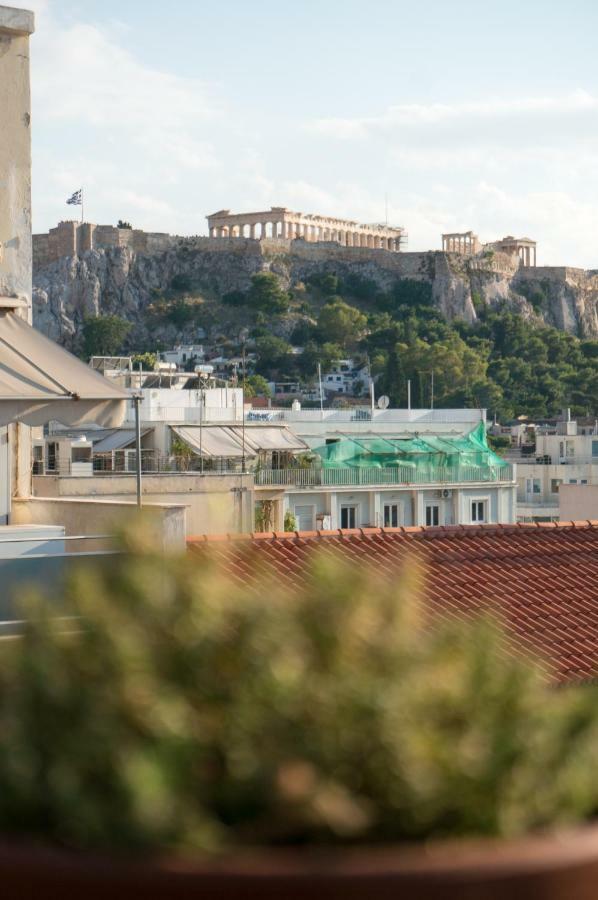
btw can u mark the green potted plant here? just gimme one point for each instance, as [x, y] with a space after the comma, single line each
[168, 731]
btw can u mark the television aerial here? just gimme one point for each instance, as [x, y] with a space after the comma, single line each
[383, 402]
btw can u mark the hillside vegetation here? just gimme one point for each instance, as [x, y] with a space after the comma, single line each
[484, 350]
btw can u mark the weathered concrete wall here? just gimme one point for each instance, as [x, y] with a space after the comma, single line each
[215, 504]
[578, 502]
[102, 516]
[73, 238]
[15, 217]
[15, 154]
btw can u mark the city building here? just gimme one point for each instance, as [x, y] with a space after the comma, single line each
[346, 377]
[183, 354]
[555, 454]
[412, 467]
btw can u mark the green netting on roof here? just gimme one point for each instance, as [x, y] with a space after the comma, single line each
[415, 453]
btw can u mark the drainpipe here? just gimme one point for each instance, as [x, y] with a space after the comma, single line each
[136, 403]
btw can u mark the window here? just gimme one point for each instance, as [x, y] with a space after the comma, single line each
[594, 448]
[81, 454]
[573, 481]
[391, 515]
[432, 514]
[584, 481]
[533, 486]
[348, 516]
[52, 456]
[305, 517]
[478, 510]
[554, 485]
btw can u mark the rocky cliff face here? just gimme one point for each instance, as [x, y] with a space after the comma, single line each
[124, 282]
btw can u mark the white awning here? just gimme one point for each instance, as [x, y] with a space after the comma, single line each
[211, 440]
[116, 440]
[261, 437]
[227, 441]
[40, 381]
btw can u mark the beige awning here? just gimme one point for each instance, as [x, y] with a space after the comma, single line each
[212, 441]
[269, 437]
[40, 381]
[227, 440]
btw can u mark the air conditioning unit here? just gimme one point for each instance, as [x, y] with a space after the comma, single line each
[444, 493]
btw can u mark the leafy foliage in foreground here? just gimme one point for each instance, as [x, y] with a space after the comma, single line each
[185, 710]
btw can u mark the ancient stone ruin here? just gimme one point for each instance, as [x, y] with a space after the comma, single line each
[283, 223]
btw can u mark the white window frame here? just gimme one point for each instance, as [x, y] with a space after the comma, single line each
[430, 505]
[348, 507]
[297, 515]
[486, 508]
[399, 508]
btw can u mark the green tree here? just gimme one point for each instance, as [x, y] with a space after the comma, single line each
[324, 354]
[340, 323]
[266, 293]
[256, 386]
[122, 224]
[104, 335]
[235, 298]
[147, 360]
[181, 282]
[273, 355]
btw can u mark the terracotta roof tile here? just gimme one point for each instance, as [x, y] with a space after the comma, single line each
[542, 579]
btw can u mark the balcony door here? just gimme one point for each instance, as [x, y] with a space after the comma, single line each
[348, 516]
[392, 515]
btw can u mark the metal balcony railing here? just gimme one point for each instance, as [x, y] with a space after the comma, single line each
[347, 477]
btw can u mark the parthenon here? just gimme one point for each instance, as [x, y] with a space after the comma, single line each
[282, 223]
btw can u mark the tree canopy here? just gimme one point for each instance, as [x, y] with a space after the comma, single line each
[104, 335]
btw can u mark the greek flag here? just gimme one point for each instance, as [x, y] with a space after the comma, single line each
[76, 199]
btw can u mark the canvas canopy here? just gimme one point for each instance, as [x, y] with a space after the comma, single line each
[211, 441]
[116, 440]
[431, 451]
[40, 381]
[227, 441]
[260, 437]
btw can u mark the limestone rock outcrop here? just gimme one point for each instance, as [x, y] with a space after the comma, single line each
[122, 281]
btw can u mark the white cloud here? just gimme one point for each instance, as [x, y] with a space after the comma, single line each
[414, 116]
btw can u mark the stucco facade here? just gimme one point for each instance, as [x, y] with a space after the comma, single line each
[15, 220]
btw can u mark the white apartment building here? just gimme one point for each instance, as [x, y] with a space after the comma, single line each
[565, 453]
[394, 494]
[183, 354]
[344, 377]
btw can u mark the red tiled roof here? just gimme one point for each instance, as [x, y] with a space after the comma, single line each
[542, 579]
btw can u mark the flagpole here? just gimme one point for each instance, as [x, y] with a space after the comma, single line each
[82, 206]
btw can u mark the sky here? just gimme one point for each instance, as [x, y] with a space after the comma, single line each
[439, 116]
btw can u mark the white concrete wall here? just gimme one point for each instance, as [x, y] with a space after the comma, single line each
[454, 509]
[15, 219]
[578, 502]
[96, 517]
[215, 504]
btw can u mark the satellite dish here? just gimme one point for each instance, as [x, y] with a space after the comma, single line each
[383, 402]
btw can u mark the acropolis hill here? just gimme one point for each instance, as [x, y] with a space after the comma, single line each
[86, 269]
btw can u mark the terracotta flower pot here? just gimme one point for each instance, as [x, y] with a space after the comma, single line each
[556, 867]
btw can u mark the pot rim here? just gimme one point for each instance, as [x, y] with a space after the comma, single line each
[479, 857]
